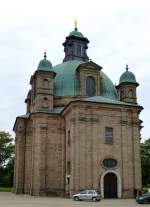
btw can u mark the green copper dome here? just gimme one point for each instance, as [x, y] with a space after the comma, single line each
[67, 83]
[45, 64]
[127, 77]
[107, 87]
[76, 33]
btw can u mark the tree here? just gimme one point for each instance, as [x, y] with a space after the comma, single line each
[6, 159]
[145, 161]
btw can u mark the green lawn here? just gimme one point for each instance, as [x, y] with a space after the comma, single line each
[4, 189]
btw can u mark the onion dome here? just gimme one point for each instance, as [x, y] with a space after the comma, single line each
[75, 32]
[127, 77]
[45, 64]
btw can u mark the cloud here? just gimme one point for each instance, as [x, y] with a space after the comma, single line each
[118, 31]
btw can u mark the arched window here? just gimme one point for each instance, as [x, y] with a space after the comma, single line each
[108, 135]
[45, 102]
[90, 86]
[68, 167]
[68, 137]
[130, 93]
[78, 50]
[45, 83]
[121, 94]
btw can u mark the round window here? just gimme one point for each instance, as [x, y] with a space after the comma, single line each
[110, 163]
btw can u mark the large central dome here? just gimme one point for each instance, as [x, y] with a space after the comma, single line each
[67, 81]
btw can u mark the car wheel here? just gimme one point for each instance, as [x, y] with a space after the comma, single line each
[94, 199]
[145, 201]
[76, 198]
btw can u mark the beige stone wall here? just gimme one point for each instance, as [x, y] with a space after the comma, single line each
[87, 123]
[43, 152]
[47, 155]
[55, 156]
[40, 156]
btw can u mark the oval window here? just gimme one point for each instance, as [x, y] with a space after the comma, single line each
[110, 163]
[90, 86]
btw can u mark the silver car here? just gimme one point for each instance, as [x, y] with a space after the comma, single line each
[87, 195]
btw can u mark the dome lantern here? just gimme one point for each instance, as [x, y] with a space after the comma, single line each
[75, 46]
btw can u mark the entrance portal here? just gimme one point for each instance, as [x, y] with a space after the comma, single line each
[110, 185]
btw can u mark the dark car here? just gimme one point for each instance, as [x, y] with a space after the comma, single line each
[145, 198]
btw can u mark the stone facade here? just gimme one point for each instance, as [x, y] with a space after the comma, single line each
[61, 141]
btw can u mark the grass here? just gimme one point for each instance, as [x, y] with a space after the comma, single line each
[5, 189]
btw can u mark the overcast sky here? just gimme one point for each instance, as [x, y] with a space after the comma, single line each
[119, 34]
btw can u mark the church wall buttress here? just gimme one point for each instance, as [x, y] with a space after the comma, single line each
[55, 146]
[47, 156]
[20, 157]
[127, 156]
[136, 151]
[28, 157]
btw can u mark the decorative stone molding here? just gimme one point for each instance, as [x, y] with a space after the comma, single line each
[119, 184]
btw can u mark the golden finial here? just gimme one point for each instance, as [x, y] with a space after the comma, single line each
[45, 56]
[127, 67]
[75, 24]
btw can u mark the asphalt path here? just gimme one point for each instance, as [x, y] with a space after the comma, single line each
[12, 200]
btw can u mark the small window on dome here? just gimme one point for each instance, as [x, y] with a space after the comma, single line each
[90, 86]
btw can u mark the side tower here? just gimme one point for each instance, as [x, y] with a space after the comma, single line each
[32, 139]
[41, 96]
[127, 87]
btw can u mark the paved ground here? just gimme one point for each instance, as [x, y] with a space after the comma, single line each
[12, 200]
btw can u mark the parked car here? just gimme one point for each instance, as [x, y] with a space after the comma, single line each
[145, 198]
[87, 195]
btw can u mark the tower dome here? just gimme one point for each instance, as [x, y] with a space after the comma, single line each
[127, 77]
[76, 33]
[45, 64]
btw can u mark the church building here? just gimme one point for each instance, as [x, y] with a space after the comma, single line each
[80, 131]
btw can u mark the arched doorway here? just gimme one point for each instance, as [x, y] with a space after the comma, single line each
[110, 185]
[119, 183]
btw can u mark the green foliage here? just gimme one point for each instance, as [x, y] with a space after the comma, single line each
[145, 161]
[6, 148]
[2, 189]
[6, 159]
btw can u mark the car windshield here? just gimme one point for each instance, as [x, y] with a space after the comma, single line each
[83, 192]
[90, 192]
